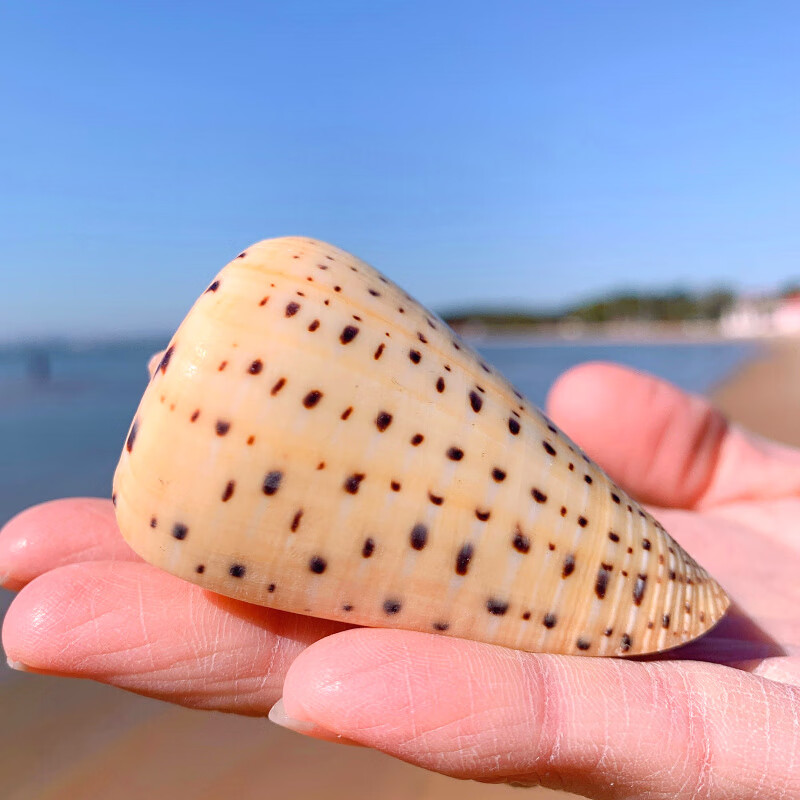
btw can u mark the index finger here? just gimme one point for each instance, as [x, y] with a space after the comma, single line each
[58, 533]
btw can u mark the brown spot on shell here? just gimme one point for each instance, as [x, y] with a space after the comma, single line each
[601, 584]
[419, 536]
[348, 334]
[317, 565]
[132, 436]
[272, 482]
[496, 607]
[312, 398]
[353, 482]
[521, 543]
[569, 566]
[164, 363]
[383, 421]
[463, 558]
[638, 589]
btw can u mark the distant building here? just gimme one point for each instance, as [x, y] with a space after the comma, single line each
[762, 316]
[786, 317]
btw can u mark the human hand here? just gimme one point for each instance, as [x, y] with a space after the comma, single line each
[600, 727]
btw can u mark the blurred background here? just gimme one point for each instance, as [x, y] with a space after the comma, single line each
[562, 181]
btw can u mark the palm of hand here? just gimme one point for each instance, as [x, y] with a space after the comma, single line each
[754, 546]
[464, 708]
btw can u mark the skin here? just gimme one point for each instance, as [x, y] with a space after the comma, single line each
[717, 719]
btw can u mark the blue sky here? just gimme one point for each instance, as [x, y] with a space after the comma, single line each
[502, 153]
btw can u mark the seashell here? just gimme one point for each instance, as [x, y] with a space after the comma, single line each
[314, 440]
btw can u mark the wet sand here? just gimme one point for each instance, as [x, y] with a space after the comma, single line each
[74, 740]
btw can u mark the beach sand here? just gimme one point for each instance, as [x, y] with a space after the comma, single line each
[764, 395]
[75, 740]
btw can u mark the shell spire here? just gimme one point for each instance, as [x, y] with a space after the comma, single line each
[316, 441]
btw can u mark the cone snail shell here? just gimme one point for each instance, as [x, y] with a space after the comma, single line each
[316, 441]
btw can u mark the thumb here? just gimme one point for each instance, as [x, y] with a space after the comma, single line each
[603, 728]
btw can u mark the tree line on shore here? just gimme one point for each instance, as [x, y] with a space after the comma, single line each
[673, 306]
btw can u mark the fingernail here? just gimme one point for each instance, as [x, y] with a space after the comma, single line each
[17, 665]
[278, 715]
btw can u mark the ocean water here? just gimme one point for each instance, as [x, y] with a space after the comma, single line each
[65, 410]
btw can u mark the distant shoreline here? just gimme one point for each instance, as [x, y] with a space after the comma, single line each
[605, 334]
[621, 331]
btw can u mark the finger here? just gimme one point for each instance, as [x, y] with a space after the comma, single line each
[60, 532]
[133, 626]
[603, 728]
[664, 446]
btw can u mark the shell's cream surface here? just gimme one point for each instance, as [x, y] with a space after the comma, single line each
[316, 441]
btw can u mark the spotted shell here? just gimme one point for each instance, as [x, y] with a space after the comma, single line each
[316, 441]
